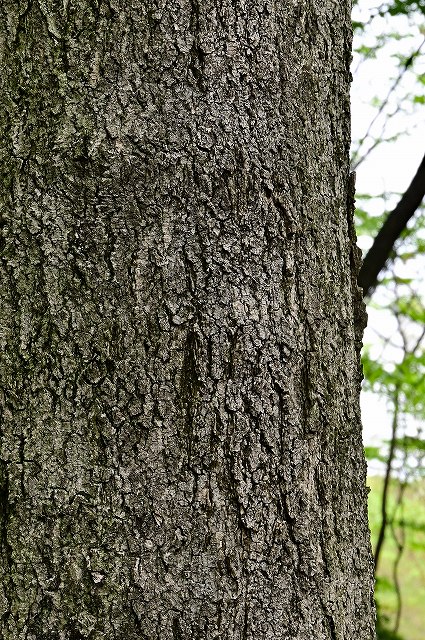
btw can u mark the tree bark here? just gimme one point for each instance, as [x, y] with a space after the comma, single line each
[181, 453]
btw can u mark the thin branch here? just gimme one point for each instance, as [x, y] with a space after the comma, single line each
[408, 63]
[390, 231]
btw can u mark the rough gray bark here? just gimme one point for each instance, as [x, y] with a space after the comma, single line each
[181, 451]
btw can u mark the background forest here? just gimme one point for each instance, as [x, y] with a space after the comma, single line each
[389, 125]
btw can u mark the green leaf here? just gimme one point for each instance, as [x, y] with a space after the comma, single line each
[384, 584]
[406, 7]
[367, 52]
[358, 26]
[409, 443]
[374, 453]
[399, 280]
[410, 307]
[366, 224]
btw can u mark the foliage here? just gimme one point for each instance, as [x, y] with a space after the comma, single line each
[410, 518]
[383, 632]
[394, 356]
[405, 7]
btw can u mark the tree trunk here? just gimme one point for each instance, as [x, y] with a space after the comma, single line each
[181, 452]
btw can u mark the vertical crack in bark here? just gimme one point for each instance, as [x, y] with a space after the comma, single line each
[189, 388]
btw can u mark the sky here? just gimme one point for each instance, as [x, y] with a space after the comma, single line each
[391, 165]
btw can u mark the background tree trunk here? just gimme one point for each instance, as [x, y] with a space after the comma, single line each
[181, 452]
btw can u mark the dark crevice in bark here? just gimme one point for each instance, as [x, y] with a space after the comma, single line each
[331, 623]
[189, 388]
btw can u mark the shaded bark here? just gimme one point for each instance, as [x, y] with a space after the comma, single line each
[181, 450]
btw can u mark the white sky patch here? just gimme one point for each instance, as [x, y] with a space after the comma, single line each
[389, 167]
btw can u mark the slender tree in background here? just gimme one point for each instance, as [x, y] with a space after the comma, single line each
[181, 450]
